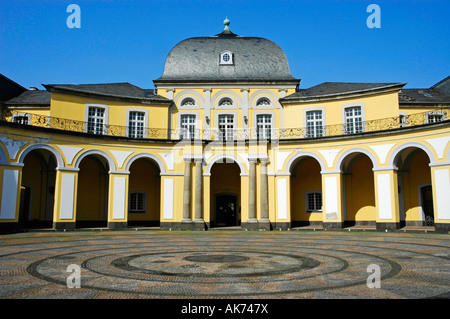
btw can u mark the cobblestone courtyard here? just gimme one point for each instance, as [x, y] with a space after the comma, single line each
[224, 264]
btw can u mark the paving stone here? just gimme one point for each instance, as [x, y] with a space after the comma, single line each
[224, 264]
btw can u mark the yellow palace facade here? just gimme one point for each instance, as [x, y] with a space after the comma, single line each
[226, 138]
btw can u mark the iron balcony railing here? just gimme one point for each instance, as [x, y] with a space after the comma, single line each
[316, 131]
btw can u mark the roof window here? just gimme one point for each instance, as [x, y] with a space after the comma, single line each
[226, 58]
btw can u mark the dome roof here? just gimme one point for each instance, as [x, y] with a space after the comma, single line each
[253, 59]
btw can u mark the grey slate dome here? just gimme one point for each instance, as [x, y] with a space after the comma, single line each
[198, 59]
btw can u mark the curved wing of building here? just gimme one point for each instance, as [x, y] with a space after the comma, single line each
[227, 138]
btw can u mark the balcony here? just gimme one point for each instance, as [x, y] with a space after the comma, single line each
[384, 124]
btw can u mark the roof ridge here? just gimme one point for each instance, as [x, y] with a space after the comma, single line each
[440, 82]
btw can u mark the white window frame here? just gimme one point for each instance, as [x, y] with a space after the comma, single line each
[432, 114]
[305, 121]
[307, 208]
[187, 105]
[21, 115]
[181, 115]
[137, 211]
[217, 125]
[188, 94]
[266, 127]
[264, 94]
[222, 94]
[255, 123]
[145, 123]
[222, 58]
[105, 117]
[345, 117]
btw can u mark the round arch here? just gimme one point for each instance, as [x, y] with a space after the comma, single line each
[393, 158]
[298, 155]
[222, 157]
[253, 99]
[58, 156]
[217, 97]
[150, 156]
[184, 94]
[109, 159]
[343, 156]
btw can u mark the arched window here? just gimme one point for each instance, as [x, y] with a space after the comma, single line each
[263, 102]
[225, 102]
[188, 102]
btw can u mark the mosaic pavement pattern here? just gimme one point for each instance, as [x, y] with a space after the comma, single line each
[232, 264]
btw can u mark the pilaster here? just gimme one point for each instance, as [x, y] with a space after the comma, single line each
[386, 199]
[440, 179]
[11, 177]
[118, 200]
[65, 205]
[333, 211]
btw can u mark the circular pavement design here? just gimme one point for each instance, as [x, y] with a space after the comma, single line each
[170, 264]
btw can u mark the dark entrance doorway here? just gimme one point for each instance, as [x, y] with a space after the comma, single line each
[426, 198]
[226, 210]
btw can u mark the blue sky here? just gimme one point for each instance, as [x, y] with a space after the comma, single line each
[128, 41]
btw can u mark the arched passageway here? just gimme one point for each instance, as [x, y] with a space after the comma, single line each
[144, 193]
[415, 189]
[225, 197]
[92, 192]
[358, 190]
[306, 192]
[37, 191]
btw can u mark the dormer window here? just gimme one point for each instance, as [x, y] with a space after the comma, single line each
[226, 58]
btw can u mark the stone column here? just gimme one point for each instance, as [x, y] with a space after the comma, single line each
[187, 193]
[198, 204]
[264, 222]
[252, 221]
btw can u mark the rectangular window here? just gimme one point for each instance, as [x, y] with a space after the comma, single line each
[137, 202]
[263, 126]
[226, 127]
[20, 119]
[353, 120]
[96, 119]
[187, 126]
[136, 123]
[314, 124]
[434, 117]
[314, 201]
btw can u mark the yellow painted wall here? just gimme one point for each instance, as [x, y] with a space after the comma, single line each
[360, 194]
[92, 190]
[418, 174]
[375, 107]
[73, 107]
[144, 177]
[305, 178]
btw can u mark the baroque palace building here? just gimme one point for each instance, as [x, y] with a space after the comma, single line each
[226, 138]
